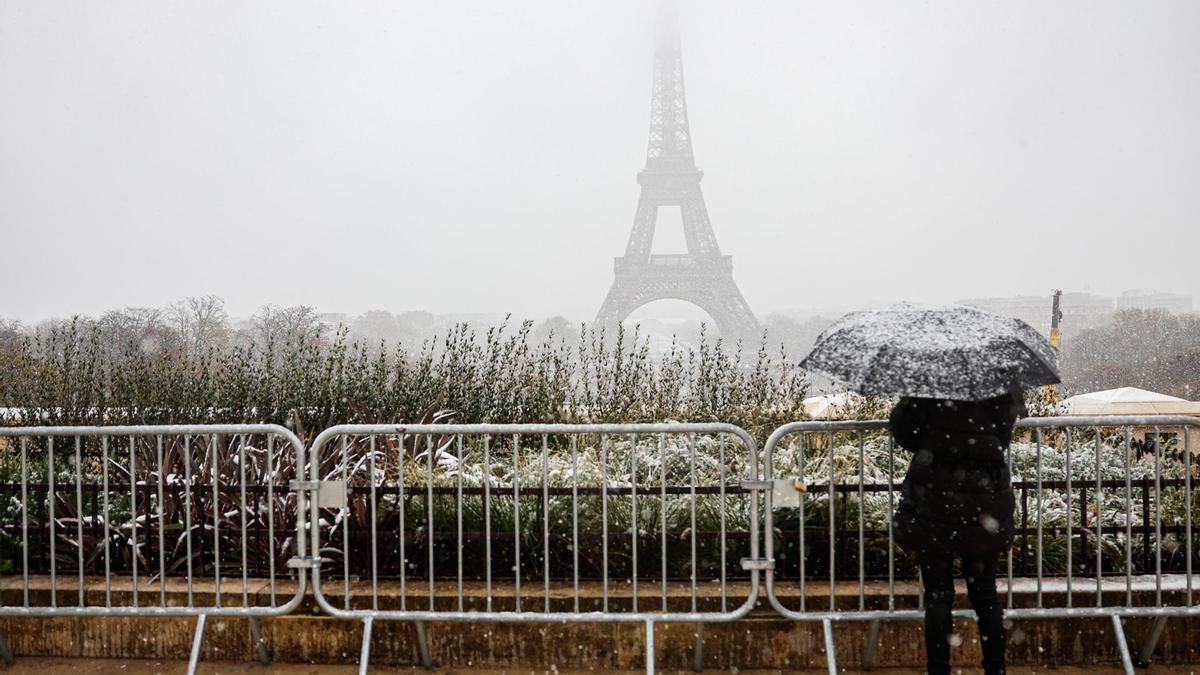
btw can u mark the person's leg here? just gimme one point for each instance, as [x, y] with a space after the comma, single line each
[937, 575]
[981, 589]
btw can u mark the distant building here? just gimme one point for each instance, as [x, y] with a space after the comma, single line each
[1032, 309]
[1080, 310]
[332, 319]
[1172, 302]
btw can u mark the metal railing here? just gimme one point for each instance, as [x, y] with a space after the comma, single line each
[126, 518]
[638, 523]
[849, 471]
[544, 516]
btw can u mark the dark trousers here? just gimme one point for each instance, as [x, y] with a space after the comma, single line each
[937, 574]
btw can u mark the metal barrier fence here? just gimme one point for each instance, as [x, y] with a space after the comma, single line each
[536, 519]
[849, 471]
[126, 518]
[640, 523]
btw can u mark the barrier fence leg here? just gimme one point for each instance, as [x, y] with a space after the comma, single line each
[6, 654]
[1147, 651]
[423, 645]
[260, 645]
[1122, 646]
[649, 648]
[197, 640]
[364, 654]
[698, 651]
[830, 656]
[868, 661]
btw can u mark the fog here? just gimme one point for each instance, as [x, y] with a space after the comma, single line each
[481, 156]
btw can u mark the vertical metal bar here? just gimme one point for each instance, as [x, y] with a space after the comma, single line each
[832, 525]
[197, 640]
[53, 535]
[133, 519]
[862, 525]
[650, 647]
[423, 645]
[604, 520]
[1128, 529]
[78, 519]
[429, 536]
[830, 655]
[107, 524]
[216, 508]
[1187, 511]
[374, 520]
[245, 563]
[1099, 524]
[1009, 554]
[1158, 519]
[891, 514]
[724, 542]
[662, 468]
[1069, 535]
[516, 441]
[920, 590]
[575, 516]
[364, 652]
[1122, 646]
[1041, 499]
[271, 514]
[633, 517]
[692, 491]
[801, 552]
[1146, 653]
[187, 510]
[458, 515]
[25, 519]
[868, 661]
[162, 526]
[487, 517]
[401, 451]
[545, 524]
[345, 514]
[260, 645]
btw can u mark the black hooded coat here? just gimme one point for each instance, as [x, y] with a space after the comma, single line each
[957, 495]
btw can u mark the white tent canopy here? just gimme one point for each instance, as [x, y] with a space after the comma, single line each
[830, 406]
[1128, 401]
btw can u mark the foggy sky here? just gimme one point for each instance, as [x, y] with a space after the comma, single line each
[481, 156]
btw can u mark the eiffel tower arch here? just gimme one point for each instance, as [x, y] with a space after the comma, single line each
[702, 275]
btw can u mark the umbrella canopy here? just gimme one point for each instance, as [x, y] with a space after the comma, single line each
[1128, 401]
[952, 352]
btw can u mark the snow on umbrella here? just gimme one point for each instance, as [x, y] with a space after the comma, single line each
[953, 352]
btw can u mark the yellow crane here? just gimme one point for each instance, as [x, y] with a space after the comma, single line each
[1050, 392]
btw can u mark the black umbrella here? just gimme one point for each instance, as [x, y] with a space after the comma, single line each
[953, 352]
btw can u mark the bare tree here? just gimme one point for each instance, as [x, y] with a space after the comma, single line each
[10, 330]
[416, 326]
[376, 325]
[1147, 348]
[556, 329]
[286, 326]
[140, 328]
[795, 337]
[201, 322]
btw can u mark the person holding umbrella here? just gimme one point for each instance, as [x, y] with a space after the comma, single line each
[959, 372]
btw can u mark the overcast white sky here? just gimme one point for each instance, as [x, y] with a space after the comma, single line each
[480, 156]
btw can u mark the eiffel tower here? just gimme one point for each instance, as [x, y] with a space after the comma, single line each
[702, 276]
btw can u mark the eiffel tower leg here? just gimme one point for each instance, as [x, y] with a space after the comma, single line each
[734, 319]
[613, 311]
